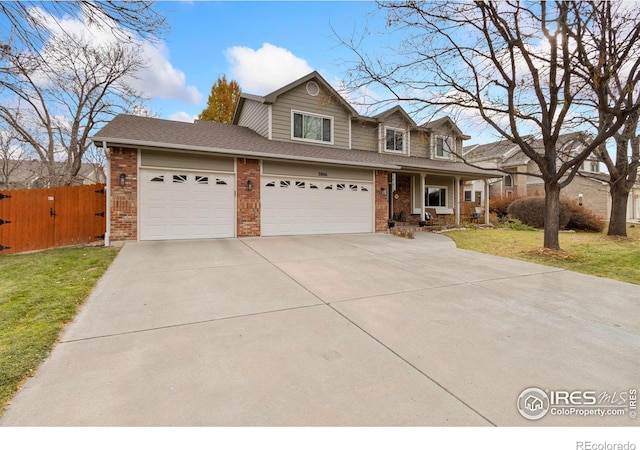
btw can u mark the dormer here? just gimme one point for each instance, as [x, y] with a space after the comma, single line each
[394, 131]
[591, 164]
[308, 110]
[446, 139]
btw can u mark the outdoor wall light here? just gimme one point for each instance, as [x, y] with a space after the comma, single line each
[123, 179]
[383, 191]
[580, 199]
[250, 185]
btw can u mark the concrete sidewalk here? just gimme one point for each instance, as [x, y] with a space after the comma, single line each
[349, 330]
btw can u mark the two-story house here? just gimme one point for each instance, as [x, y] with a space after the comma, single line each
[300, 160]
[589, 187]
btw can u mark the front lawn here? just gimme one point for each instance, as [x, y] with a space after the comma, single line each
[40, 293]
[590, 253]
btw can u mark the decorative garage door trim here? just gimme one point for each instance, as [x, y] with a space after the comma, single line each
[186, 204]
[295, 205]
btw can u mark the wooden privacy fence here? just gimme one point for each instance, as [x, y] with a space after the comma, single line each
[36, 219]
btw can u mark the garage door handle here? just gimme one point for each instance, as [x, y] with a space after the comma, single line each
[52, 213]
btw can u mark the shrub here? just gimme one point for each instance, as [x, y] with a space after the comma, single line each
[530, 210]
[516, 224]
[499, 207]
[583, 219]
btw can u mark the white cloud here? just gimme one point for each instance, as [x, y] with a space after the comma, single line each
[182, 116]
[266, 69]
[160, 79]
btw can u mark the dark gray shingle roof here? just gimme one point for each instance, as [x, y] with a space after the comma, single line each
[128, 130]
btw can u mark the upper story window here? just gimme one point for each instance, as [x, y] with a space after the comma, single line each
[508, 181]
[394, 139]
[312, 127]
[443, 147]
[594, 166]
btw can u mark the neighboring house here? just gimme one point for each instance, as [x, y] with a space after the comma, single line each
[33, 174]
[589, 187]
[300, 160]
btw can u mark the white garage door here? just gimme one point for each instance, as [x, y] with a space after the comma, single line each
[293, 206]
[180, 204]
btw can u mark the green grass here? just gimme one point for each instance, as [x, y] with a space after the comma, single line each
[39, 294]
[590, 253]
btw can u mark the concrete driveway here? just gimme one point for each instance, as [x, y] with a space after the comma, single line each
[359, 330]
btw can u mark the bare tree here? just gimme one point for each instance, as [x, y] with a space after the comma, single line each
[54, 99]
[12, 155]
[609, 56]
[511, 63]
[30, 22]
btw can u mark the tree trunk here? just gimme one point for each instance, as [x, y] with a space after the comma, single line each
[552, 216]
[618, 218]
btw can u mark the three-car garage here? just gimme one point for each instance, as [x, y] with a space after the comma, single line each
[194, 196]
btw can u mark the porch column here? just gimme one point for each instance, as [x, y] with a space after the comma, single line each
[422, 196]
[456, 200]
[486, 201]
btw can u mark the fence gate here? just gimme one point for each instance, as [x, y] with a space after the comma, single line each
[35, 219]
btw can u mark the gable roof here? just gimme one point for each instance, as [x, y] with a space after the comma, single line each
[272, 97]
[507, 153]
[446, 120]
[395, 110]
[378, 118]
[494, 150]
[34, 173]
[233, 140]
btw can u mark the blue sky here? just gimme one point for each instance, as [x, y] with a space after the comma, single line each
[262, 45]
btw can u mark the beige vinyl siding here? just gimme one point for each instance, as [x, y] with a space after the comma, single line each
[180, 160]
[446, 131]
[255, 116]
[364, 136]
[420, 141]
[323, 104]
[395, 120]
[315, 171]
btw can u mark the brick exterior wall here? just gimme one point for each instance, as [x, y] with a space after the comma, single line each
[382, 201]
[248, 214]
[595, 195]
[403, 202]
[124, 199]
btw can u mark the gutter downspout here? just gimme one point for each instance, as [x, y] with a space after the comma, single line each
[456, 192]
[107, 233]
[486, 202]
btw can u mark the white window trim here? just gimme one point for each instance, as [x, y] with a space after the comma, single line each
[446, 195]
[305, 113]
[405, 143]
[506, 181]
[435, 147]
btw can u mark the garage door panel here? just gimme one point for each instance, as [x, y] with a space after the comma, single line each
[185, 205]
[306, 206]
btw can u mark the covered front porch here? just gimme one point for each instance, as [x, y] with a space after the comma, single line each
[431, 198]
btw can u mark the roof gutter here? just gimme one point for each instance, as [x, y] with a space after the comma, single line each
[436, 170]
[241, 153]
